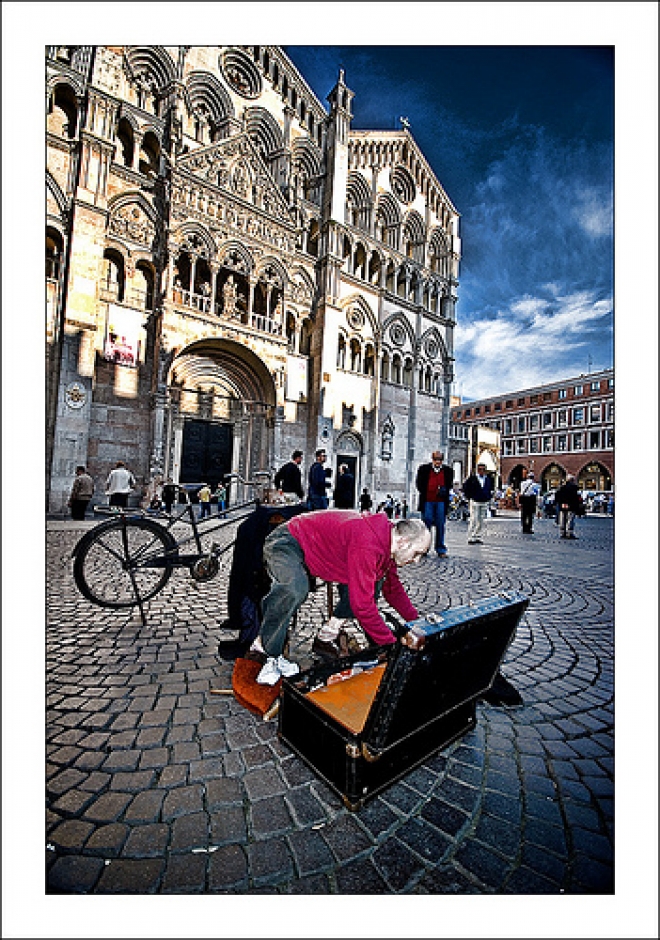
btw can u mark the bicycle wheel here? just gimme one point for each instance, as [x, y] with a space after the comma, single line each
[123, 562]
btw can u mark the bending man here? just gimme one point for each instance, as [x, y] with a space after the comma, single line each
[346, 547]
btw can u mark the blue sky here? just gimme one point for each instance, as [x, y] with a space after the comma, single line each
[522, 139]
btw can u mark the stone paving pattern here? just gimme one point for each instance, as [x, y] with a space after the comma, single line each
[157, 786]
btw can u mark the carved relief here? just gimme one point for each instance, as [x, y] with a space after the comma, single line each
[132, 223]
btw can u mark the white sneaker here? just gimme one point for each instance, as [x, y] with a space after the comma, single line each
[269, 674]
[286, 668]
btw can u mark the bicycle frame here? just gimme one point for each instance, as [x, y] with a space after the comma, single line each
[202, 564]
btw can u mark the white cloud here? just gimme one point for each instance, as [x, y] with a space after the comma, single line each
[533, 341]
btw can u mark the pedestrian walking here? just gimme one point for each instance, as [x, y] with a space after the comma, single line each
[318, 482]
[478, 489]
[288, 478]
[119, 485]
[366, 502]
[220, 495]
[529, 491]
[82, 491]
[570, 505]
[204, 497]
[168, 494]
[434, 482]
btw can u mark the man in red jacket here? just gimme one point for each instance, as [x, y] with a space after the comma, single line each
[338, 545]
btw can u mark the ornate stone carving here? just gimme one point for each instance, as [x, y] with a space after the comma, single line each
[131, 222]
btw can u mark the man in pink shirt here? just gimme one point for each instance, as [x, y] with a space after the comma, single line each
[346, 547]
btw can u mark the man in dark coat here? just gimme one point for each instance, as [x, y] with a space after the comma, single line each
[345, 488]
[289, 478]
[478, 489]
[318, 482]
[434, 482]
[569, 504]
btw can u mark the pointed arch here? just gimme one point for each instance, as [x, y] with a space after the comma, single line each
[194, 237]
[398, 332]
[205, 92]
[264, 131]
[359, 315]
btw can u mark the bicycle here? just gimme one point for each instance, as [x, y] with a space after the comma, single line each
[128, 559]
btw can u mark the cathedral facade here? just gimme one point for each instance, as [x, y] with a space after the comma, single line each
[233, 272]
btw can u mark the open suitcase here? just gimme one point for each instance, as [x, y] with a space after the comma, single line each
[364, 721]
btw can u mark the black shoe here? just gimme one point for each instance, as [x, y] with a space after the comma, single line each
[328, 649]
[502, 694]
[232, 649]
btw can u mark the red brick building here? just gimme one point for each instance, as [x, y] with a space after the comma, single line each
[557, 429]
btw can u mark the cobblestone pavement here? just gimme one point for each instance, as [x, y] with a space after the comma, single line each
[157, 786]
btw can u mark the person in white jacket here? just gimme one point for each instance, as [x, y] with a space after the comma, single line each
[119, 484]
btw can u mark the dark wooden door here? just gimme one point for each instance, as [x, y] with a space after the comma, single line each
[206, 452]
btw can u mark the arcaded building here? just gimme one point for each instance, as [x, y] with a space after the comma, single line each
[234, 272]
[557, 429]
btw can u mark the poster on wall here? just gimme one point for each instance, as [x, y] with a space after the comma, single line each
[296, 378]
[122, 341]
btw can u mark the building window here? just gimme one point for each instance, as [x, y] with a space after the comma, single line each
[578, 415]
[577, 441]
[477, 411]
[610, 383]
[533, 399]
[609, 438]
[466, 413]
[594, 440]
[522, 446]
[508, 448]
[487, 409]
[578, 390]
[547, 419]
[610, 411]
[547, 445]
[508, 404]
[561, 394]
[498, 406]
[533, 422]
[521, 401]
[508, 426]
[562, 417]
[594, 413]
[561, 442]
[534, 445]
[547, 396]
[521, 425]
[595, 386]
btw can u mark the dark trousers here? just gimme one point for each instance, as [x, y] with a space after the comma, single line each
[434, 515]
[78, 508]
[527, 512]
[119, 499]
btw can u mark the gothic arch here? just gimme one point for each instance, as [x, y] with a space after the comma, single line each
[307, 156]
[432, 346]
[134, 197]
[204, 90]
[236, 256]
[264, 131]
[152, 60]
[399, 334]
[191, 236]
[357, 303]
[54, 191]
[275, 263]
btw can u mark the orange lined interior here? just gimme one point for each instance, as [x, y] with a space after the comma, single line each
[350, 701]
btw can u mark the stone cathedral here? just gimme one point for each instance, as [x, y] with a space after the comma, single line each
[234, 272]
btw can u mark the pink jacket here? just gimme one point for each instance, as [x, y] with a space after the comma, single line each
[350, 548]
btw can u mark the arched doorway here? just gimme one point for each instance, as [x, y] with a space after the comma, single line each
[552, 477]
[220, 415]
[594, 476]
[348, 450]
